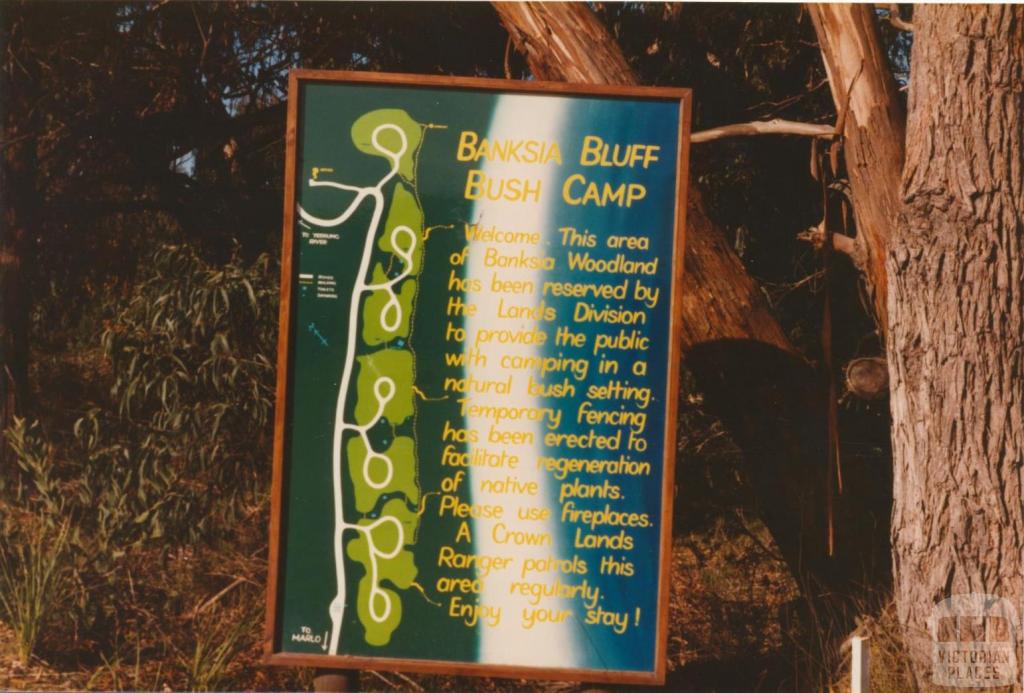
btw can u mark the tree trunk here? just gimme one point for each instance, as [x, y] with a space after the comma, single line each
[751, 376]
[874, 132]
[956, 319]
[14, 314]
[18, 214]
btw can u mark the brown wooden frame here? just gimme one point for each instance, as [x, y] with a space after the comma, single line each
[453, 668]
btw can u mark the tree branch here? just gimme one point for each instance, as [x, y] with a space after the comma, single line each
[764, 127]
[894, 17]
[847, 245]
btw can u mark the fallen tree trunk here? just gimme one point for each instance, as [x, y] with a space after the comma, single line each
[752, 377]
[566, 42]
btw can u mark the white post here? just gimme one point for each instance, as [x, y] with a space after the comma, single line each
[860, 672]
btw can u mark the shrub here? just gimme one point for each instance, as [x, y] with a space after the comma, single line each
[177, 453]
[193, 390]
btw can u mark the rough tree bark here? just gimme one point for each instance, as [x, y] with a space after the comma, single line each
[874, 132]
[751, 375]
[956, 318]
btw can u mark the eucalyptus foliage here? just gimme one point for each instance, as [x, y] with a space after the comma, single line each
[179, 450]
[193, 390]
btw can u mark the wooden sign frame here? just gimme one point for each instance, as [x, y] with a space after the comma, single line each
[272, 653]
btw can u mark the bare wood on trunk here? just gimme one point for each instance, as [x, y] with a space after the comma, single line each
[956, 318]
[750, 374]
[562, 43]
[874, 130]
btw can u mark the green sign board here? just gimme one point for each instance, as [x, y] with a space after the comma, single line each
[477, 376]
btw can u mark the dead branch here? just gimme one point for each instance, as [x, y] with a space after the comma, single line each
[215, 598]
[893, 15]
[847, 245]
[764, 127]
[789, 100]
[508, 55]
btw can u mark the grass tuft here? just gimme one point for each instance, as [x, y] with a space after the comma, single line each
[221, 638]
[33, 573]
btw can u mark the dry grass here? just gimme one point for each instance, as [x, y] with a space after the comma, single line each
[191, 616]
[194, 623]
[729, 594]
[890, 669]
[177, 631]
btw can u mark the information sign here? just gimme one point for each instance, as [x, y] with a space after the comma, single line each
[478, 360]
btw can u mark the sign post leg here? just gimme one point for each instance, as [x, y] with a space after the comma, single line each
[336, 680]
[860, 674]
